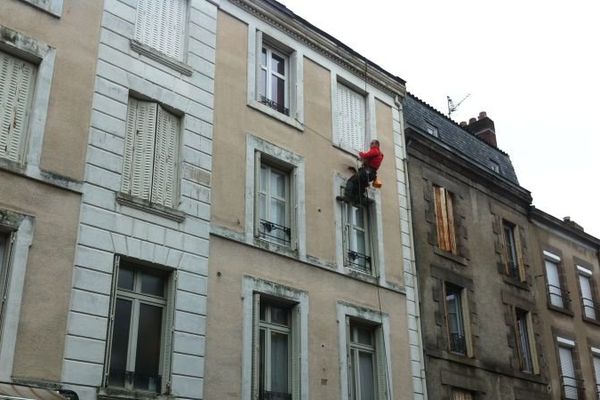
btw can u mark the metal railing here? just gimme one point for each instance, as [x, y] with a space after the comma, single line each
[558, 297]
[359, 261]
[274, 232]
[591, 309]
[274, 105]
[133, 380]
[572, 388]
[266, 395]
[458, 343]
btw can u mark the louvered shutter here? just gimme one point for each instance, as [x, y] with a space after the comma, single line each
[165, 159]
[351, 117]
[139, 148]
[161, 24]
[16, 88]
[554, 284]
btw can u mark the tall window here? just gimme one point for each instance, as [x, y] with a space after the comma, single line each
[273, 79]
[138, 329]
[150, 156]
[357, 238]
[524, 338]
[3, 273]
[596, 362]
[431, 129]
[457, 336]
[17, 79]
[274, 204]
[160, 24]
[587, 294]
[511, 250]
[444, 217]
[572, 387]
[556, 296]
[351, 118]
[362, 363]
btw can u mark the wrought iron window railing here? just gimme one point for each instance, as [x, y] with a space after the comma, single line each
[458, 343]
[558, 296]
[274, 232]
[359, 261]
[134, 380]
[267, 395]
[274, 105]
[573, 388]
[591, 309]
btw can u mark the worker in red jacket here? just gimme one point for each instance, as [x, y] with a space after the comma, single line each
[356, 186]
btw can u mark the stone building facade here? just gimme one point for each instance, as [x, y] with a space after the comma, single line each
[474, 253]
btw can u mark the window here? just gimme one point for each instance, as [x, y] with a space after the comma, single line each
[3, 273]
[53, 7]
[444, 217]
[572, 387]
[357, 239]
[455, 319]
[556, 295]
[273, 79]
[431, 129]
[494, 166]
[139, 327]
[351, 118]
[151, 152]
[587, 294]
[512, 256]
[274, 204]
[17, 79]
[525, 341]
[362, 363]
[460, 394]
[160, 24]
[596, 362]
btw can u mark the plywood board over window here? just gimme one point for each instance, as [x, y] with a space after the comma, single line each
[444, 219]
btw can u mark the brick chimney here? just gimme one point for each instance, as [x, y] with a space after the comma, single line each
[483, 127]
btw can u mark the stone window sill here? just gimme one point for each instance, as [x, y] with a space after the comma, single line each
[515, 282]
[453, 257]
[52, 7]
[590, 320]
[275, 114]
[109, 393]
[152, 208]
[560, 310]
[157, 56]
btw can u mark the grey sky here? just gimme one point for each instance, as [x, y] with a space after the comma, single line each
[533, 66]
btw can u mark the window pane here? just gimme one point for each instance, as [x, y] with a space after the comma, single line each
[359, 217]
[363, 335]
[279, 315]
[278, 64]
[262, 82]
[587, 297]
[262, 361]
[279, 362]
[264, 178]
[554, 289]
[263, 58]
[367, 378]
[148, 348]
[125, 278]
[153, 284]
[278, 212]
[278, 90]
[120, 340]
[277, 184]
[262, 206]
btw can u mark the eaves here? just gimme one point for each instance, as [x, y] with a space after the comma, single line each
[552, 222]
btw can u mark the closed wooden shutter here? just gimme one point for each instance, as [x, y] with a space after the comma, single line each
[351, 118]
[139, 148]
[161, 24]
[165, 159]
[16, 89]
[444, 215]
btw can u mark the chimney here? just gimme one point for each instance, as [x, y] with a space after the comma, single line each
[483, 127]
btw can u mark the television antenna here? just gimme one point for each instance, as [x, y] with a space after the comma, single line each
[453, 107]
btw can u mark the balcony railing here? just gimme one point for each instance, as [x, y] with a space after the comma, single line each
[131, 380]
[572, 388]
[274, 105]
[458, 343]
[591, 309]
[359, 261]
[558, 297]
[274, 232]
[266, 395]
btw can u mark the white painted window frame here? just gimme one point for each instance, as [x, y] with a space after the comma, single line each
[255, 149]
[250, 288]
[431, 129]
[275, 39]
[585, 273]
[269, 195]
[52, 7]
[43, 56]
[16, 264]
[381, 324]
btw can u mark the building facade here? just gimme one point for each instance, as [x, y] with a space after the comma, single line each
[309, 296]
[47, 59]
[566, 270]
[474, 254]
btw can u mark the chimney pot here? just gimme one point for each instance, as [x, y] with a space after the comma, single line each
[471, 120]
[482, 115]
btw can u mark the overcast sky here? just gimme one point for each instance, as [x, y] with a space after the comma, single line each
[533, 66]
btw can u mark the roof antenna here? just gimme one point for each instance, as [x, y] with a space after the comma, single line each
[453, 107]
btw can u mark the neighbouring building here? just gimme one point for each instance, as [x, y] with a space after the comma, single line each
[473, 247]
[566, 270]
[309, 297]
[136, 324]
[48, 55]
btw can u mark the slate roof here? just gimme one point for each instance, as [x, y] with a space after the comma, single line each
[417, 114]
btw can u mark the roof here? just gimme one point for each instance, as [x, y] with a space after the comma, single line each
[418, 115]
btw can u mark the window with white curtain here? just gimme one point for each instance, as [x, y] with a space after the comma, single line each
[273, 79]
[151, 153]
[570, 384]
[160, 24]
[362, 362]
[587, 294]
[351, 117]
[556, 295]
[357, 240]
[455, 318]
[17, 83]
[274, 204]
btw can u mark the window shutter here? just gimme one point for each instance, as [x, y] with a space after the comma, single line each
[450, 221]
[161, 24]
[587, 296]
[257, 166]
[519, 249]
[532, 344]
[566, 362]
[351, 116]
[16, 88]
[165, 159]
[466, 316]
[381, 374]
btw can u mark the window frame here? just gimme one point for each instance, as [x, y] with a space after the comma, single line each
[595, 356]
[339, 140]
[518, 270]
[464, 316]
[348, 228]
[355, 347]
[443, 204]
[586, 273]
[560, 291]
[575, 380]
[527, 324]
[267, 99]
[265, 221]
[431, 129]
[168, 319]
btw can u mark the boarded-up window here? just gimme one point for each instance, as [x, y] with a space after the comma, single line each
[150, 159]
[16, 89]
[161, 25]
[351, 118]
[444, 218]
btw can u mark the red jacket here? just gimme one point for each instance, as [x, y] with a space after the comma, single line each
[372, 158]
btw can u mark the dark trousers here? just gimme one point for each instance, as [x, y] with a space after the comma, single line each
[357, 183]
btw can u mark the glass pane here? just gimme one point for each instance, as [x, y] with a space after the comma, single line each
[278, 64]
[262, 83]
[278, 90]
[359, 217]
[120, 341]
[264, 178]
[360, 242]
[148, 348]
[278, 212]
[367, 376]
[262, 206]
[279, 315]
[125, 278]
[363, 335]
[279, 362]
[277, 184]
[153, 284]
[261, 362]
[263, 57]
